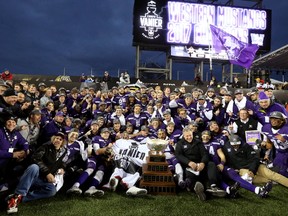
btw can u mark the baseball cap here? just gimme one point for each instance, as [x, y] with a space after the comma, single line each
[62, 89]
[2, 83]
[104, 130]
[95, 122]
[60, 114]
[252, 91]
[235, 140]
[195, 90]
[200, 90]
[224, 88]
[188, 95]
[210, 90]
[41, 84]
[238, 91]
[201, 97]
[176, 90]
[167, 112]
[11, 117]
[60, 134]
[277, 114]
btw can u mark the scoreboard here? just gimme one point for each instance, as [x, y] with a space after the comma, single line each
[185, 24]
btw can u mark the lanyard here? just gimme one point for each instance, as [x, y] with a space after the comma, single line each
[9, 138]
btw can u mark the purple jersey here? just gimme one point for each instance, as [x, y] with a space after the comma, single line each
[219, 138]
[74, 150]
[245, 103]
[99, 142]
[119, 100]
[212, 148]
[271, 134]
[97, 101]
[191, 109]
[175, 135]
[205, 111]
[263, 114]
[137, 121]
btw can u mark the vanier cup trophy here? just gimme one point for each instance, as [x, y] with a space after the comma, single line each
[157, 146]
[156, 176]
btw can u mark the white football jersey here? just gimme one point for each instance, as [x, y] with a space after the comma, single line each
[129, 155]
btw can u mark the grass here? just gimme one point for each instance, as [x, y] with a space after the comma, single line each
[182, 204]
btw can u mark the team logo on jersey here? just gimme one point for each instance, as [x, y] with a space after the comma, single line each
[151, 22]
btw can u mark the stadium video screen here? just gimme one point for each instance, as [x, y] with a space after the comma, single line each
[166, 23]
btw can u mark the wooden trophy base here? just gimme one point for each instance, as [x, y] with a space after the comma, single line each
[157, 179]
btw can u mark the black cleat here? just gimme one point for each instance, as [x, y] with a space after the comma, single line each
[234, 189]
[265, 189]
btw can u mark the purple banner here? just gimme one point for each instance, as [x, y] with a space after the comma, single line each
[239, 53]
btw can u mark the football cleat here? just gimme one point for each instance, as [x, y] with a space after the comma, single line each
[234, 189]
[74, 190]
[134, 191]
[93, 192]
[182, 184]
[199, 190]
[13, 201]
[264, 191]
[215, 191]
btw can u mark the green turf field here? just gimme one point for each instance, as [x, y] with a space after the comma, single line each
[182, 204]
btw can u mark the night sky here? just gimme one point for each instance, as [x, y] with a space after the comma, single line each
[46, 36]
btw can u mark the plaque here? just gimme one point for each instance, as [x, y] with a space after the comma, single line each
[252, 136]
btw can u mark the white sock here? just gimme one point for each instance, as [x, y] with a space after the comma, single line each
[228, 190]
[99, 175]
[179, 172]
[77, 184]
[257, 190]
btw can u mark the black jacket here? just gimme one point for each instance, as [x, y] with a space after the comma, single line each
[244, 158]
[49, 159]
[194, 151]
[242, 127]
